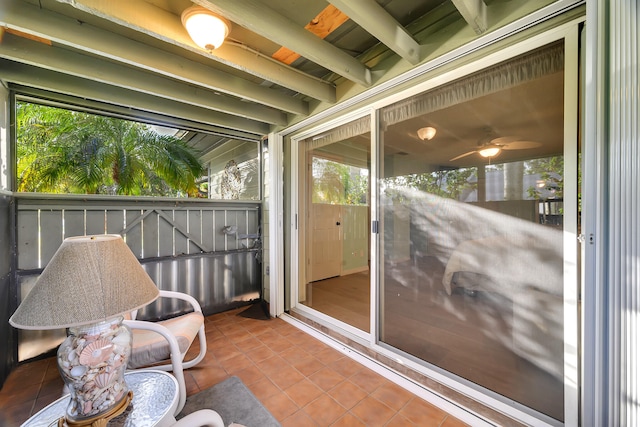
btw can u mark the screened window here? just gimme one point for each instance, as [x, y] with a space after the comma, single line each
[234, 171]
[79, 151]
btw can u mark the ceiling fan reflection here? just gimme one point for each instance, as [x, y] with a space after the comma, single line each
[494, 147]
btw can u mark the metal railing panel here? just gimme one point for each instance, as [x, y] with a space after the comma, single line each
[151, 230]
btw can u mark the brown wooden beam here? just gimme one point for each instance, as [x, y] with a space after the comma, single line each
[27, 36]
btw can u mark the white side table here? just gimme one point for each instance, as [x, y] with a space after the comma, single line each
[155, 398]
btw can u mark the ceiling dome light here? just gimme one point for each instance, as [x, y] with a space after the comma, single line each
[489, 151]
[205, 28]
[427, 133]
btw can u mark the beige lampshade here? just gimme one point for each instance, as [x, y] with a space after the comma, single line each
[89, 279]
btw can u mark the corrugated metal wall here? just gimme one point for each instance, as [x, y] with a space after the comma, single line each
[218, 281]
[621, 54]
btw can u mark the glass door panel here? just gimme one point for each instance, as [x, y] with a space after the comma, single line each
[336, 279]
[471, 216]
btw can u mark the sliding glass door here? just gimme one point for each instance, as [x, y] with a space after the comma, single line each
[472, 212]
[335, 278]
[447, 238]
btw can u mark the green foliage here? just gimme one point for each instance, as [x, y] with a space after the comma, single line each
[551, 171]
[64, 151]
[444, 183]
[339, 184]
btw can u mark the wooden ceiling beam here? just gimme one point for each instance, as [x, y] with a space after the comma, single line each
[474, 12]
[144, 17]
[259, 18]
[28, 36]
[91, 68]
[377, 22]
[40, 78]
[43, 24]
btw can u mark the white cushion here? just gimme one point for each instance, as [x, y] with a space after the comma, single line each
[150, 347]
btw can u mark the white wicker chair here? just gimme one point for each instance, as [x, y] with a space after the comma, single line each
[164, 344]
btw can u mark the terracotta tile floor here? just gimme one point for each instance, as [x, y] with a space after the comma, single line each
[302, 381]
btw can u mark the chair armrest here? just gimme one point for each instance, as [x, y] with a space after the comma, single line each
[201, 418]
[182, 296]
[176, 356]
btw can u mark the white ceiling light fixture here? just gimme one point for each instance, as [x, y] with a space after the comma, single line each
[490, 151]
[205, 28]
[426, 133]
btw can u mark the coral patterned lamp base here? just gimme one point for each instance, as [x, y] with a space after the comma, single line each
[92, 362]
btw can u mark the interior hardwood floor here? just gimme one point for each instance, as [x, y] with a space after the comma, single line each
[346, 298]
[466, 333]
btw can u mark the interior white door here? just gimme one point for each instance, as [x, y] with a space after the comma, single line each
[325, 255]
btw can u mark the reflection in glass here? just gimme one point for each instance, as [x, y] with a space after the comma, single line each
[471, 229]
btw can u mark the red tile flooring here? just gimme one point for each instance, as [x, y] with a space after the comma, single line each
[302, 381]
